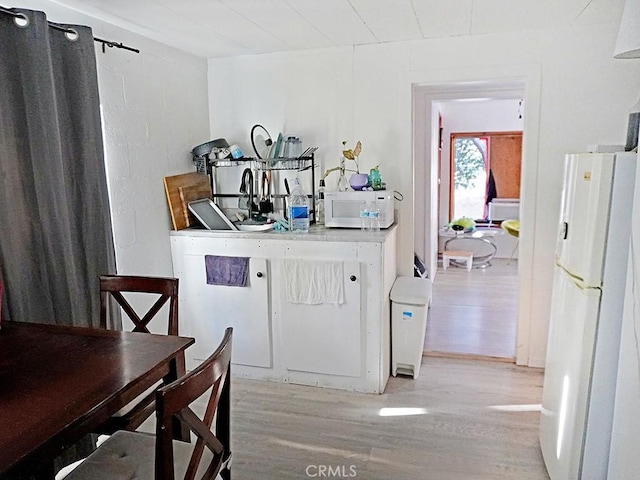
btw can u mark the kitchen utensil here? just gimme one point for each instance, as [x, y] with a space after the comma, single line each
[308, 152]
[210, 215]
[172, 185]
[292, 147]
[190, 193]
[287, 147]
[205, 149]
[245, 202]
[261, 141]
[276, 151]
[285, 200]
[265, 205]
[220, 153]
[254, 227]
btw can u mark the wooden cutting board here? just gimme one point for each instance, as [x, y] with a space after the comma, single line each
[189, 194]
[182, 189]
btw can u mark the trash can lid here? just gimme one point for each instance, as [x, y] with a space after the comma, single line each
[411, 291]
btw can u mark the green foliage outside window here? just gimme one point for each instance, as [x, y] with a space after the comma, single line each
[469, 161]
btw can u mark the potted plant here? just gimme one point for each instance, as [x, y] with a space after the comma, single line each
[358, 180]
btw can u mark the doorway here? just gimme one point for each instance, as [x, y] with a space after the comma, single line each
[439, 209]
[474, 313]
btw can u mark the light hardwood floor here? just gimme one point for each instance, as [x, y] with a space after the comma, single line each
[474, 313]
[472, 419]
[283, 431]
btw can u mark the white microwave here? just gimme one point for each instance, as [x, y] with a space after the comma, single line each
[342, 209]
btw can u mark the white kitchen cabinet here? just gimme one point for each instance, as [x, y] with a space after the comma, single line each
[206, 310]
[343, 346]
[209, 309]
[309, 331]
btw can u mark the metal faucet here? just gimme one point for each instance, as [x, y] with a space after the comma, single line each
[246, 186]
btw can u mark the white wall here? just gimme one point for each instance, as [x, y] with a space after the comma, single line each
[580, 95]
[155, 110]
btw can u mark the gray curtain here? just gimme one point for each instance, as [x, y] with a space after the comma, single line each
[55, 226]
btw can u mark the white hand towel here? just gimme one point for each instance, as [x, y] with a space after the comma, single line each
[313, 282]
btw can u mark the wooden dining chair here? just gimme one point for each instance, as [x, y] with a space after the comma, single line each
[145, 456]
[116, 285]
[166, 290]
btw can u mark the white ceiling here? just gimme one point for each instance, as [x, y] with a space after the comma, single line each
[218, 28]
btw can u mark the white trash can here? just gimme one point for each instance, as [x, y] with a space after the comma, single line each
[410, 299]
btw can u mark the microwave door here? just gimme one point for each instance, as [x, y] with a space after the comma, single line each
[345, 209]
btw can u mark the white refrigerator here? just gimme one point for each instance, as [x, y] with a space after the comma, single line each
[586, 314]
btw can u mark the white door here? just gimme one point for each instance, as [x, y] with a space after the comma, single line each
[572, 326]
[583, 226]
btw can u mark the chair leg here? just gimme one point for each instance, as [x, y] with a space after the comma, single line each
[225, 473]
[513, 252]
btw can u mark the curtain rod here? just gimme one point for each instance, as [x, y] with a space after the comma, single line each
[105, 43]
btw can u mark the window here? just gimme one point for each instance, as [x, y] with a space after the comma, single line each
[484, 166]
[469, 176]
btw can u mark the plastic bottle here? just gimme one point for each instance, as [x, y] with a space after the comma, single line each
[374, 217]
[364, 217]
[320, 204]
[298, 209]
[381, 212]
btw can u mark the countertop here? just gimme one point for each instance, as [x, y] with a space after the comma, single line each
[315, 234]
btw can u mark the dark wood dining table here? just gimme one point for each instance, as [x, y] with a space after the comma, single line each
[58, 384]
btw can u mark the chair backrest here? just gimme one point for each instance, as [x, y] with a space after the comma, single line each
[173, 403]
[116, 285]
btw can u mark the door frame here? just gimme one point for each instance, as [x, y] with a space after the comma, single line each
[525, 84]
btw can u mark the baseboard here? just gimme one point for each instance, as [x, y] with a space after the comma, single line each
[468, 356]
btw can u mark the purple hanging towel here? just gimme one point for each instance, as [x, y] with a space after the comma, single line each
[230, 271]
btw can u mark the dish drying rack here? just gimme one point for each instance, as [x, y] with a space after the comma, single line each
[303, 162]
[306, 161]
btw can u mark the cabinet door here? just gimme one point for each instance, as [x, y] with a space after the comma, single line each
[325, 338]
[206, 310]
